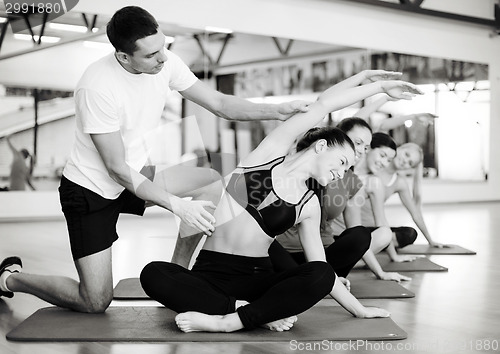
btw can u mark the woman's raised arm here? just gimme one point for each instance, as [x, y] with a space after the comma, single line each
[279, 141]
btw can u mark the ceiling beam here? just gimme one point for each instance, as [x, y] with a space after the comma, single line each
[409, 6]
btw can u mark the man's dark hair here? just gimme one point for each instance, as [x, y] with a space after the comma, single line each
[128, 25]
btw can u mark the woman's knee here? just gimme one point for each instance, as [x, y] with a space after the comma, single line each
[405, 235]
[362, 238]
[322, 277]
[365, 240]
[150, 275]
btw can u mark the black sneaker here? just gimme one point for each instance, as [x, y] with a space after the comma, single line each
[7, 262]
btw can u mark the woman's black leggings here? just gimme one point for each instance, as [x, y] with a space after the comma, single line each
[217, 280]
[348, 248]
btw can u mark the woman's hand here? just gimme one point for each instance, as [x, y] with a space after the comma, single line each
[400, 89]
[374, 312]
[346, 282]
[392, 276]
[438, 245]
[405, 258]
[377, 75]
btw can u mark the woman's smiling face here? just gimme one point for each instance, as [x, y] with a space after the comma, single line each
[379, 158]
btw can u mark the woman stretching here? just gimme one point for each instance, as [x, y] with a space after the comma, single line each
[344, 238]
[232, 284]
[382, 152]
[408, 162]
[408, 158]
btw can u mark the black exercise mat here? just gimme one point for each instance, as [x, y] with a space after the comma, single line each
[426, 249]
[147, 324]
[418, 265]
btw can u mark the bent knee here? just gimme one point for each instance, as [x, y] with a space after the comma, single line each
[323, 276]
[363, 238]
[149, 275]
[405, 235]
[97, 304]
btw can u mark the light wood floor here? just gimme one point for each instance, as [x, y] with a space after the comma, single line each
[452, 311]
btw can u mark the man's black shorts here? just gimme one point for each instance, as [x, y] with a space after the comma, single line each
[92, 219]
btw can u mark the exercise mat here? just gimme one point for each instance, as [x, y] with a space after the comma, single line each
[418, 265]
[426, 249]
[378, 289]
[156, 324]
[130, 289]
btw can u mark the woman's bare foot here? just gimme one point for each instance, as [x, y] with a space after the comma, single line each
[199, 322]
[282, 325]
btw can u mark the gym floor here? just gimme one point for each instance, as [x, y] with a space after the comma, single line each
[456, 311]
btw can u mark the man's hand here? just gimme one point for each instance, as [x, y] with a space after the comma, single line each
[288, 109]
[195, 215]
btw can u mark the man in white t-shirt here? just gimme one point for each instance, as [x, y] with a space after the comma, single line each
[119, 100]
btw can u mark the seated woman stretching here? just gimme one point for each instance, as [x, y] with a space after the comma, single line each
[343, 250]
[408, 162]
[341, 203]
[409, 157]
[382, 152]
[232, 284]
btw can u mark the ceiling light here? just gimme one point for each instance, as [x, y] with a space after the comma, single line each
[69, 28]
[45, 39]
[218, 29]
[3, 20]
[97, 45]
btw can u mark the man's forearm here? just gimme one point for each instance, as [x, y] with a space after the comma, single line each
[142, 187]
[234, 108]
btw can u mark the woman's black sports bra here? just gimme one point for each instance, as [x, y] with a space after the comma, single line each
[252, 188]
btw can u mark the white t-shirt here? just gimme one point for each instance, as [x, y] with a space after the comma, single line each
[108, 99]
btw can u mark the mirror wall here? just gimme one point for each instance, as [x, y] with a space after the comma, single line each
[256, 67]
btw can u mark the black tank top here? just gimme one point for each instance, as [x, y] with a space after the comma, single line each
[252, 188]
